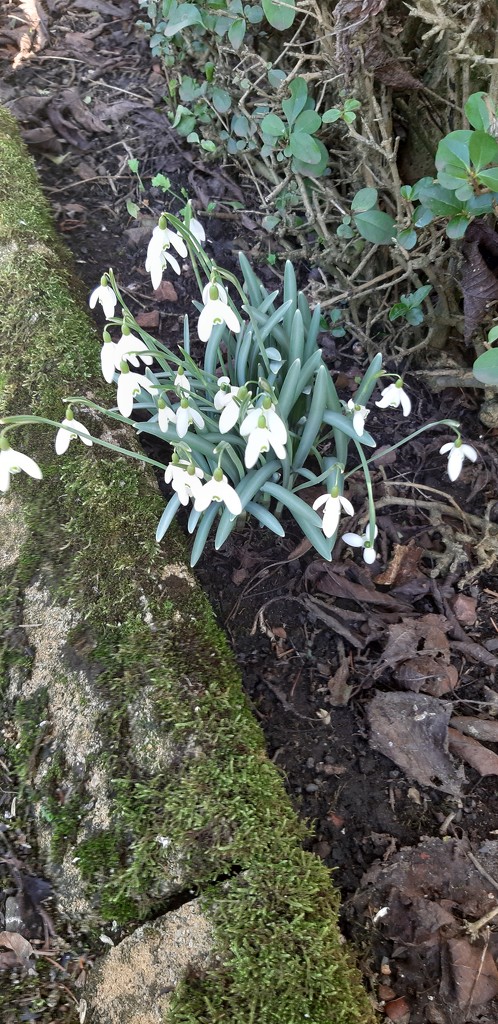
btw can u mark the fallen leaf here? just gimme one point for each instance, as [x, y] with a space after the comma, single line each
[427, 675]
[148, 318]
[339, 689]
[37, 37]
[480, 728]
[398, 1010]
[475, 975]
[426, 635]
[465, 609]
[483, 760]
[19, 945]
[403, 567]
[413, 732]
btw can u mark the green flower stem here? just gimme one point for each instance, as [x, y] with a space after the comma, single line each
[17, 421]
[368, 484]
[385, 451]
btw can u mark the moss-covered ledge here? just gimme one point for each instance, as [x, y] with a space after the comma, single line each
[125, 721]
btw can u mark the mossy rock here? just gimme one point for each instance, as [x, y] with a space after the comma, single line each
[130, 737]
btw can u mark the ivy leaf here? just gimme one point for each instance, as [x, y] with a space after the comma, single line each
[280, 15]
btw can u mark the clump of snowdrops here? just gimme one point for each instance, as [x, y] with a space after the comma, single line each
[253, 426]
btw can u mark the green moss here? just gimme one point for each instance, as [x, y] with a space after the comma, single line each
[29, 716]
[91, 526]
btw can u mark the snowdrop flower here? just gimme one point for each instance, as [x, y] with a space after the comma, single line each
[193, 225]
[334, 503]
[218, 489]
[360, 413]
[158, 254]
[64, 437]
[129, 386]
[107, 360]
[181, 380]
[12, 461]
[225, 401]
[165, 415]
[105, 295]
[393, 396]
[185, 416]
[263, 428]
[458, 452]
[126, 348]
[356, 541]
[185, 479]
[216, 311]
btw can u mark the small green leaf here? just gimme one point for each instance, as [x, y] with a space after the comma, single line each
[407, 238]
[254, 14]
[493, 333]
[308, 121]
[222, 100]
[454, 150]
[159, 181]
[348, 116]
[375, 226]
[483, 150]
[364, 200]
[273, 125]
[132, 208]
[304, 148]
[183, 16]
[489, 178]
[133, 164]
[457, 226]
[276, 77]
[236, 32]
[193, 137]
[299, 95]
[280, 15]
[485, 367]
[208, 145]
[478, 110]
[331, 115]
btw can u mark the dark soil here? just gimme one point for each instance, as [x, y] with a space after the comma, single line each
[316, 648]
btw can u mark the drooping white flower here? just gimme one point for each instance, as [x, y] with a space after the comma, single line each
[360, 413]
[185, 416]
[218, 489]
[107, 360]
[393, 396]
[358, 541]
[263, 429]
[129, 385]
[185, 479]
[158, 254]
[165, 415]
[65, 436]
[126, 348]
[216, 311]
[12, 461]
[334, 505]
[105, 295]
[181, 380]
[196, 229]
[225, 402]
[458, 452]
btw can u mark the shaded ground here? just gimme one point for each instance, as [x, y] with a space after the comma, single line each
[320, 646]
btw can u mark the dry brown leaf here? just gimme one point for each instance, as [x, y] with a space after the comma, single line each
[485, 729]
[412, 732]
[388, 69]
[339, 689]
[358, 11]
[37, 37]
[475, 975]
[465, 609]
[426, 675]
[403, 567]
[19, 945]
[483, 760]
[416, 638]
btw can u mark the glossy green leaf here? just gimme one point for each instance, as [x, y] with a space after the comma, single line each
[236, 32]
[222, 100]
[336, 419]
[167, 516]
[454, 150]
[457, 226]
[483, 150]
[375, 226]
[273, 125]
[312, 170]
[485, 367]
[183, 16]
[489, 178]
[280, 15]
[308, 121]
[407, 238]
[478, 111]
[304, 148]
[298, 97]
[364, 200]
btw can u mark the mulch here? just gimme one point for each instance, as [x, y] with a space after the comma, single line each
[375, 686]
